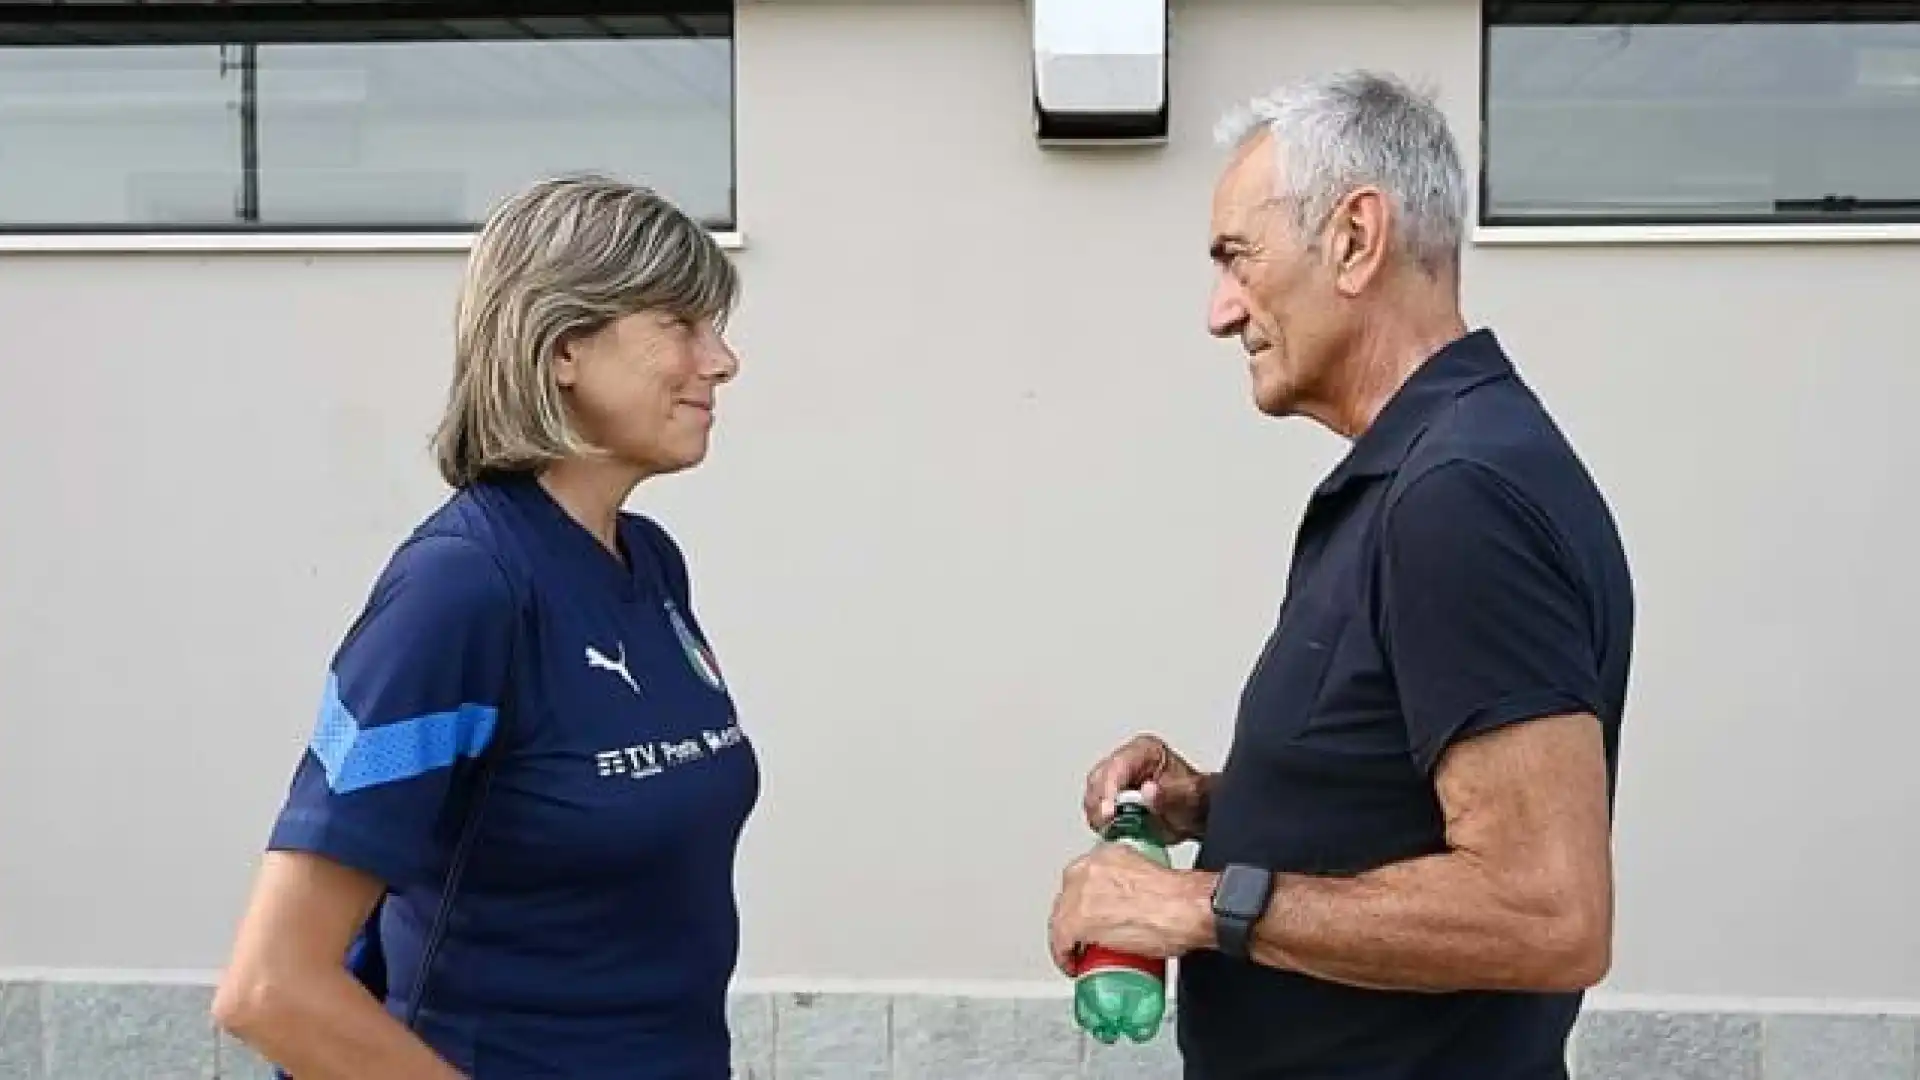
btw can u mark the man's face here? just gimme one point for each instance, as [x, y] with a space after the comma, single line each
[1275, 291]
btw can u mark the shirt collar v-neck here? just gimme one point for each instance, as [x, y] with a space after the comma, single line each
[571, 541]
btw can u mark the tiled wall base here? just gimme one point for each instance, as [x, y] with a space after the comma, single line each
[101, 1031]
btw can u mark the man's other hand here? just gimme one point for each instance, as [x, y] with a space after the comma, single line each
[1175, 791]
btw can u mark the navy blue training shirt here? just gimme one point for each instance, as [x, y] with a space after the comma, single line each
[595, 930]
[1457, 572]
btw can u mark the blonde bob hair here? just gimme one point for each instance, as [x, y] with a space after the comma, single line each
[562, 258]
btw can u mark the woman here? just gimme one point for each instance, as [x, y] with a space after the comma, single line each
[526, 708]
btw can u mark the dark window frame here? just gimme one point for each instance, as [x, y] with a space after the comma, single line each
[247, 24]
[1499, 13]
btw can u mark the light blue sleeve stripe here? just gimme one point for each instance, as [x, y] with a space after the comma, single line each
[356, 758]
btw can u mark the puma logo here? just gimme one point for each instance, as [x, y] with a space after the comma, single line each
[598, 659]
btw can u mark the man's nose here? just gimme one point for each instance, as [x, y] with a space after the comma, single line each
[1227, 310]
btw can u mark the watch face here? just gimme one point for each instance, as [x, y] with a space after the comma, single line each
[1243, 891]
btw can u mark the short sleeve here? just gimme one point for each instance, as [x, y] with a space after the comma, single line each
[1484, 622]
[414, 691]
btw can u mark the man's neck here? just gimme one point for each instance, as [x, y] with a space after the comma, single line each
[1384, 357]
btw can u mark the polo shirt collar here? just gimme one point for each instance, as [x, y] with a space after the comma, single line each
[570, 541]
[1458, 366]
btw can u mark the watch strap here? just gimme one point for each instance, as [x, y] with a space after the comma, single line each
[1240, 898]
[1233, 934]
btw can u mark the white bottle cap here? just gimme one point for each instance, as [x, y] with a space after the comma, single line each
[1129, 798]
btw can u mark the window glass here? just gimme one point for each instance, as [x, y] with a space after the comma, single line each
[1700, 122]
[195, 116]
[119, 136]
[434, 132]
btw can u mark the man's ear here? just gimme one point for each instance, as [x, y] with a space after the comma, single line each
[1357, 232]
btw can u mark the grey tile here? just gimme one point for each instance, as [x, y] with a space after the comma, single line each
[750, 1018]
[238, 1061]
[127, 1032]
[831, 1037]
[21, 1057]
[1838, 1048]
[1156, 1059]
[955, 1038]
[1668, 1046]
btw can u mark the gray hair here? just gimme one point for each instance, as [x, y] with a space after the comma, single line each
[565, 256]
[1337, 132]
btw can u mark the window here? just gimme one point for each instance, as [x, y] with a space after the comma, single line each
[1704, 112]
[289, 115]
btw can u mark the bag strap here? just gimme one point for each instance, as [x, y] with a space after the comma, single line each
[462, 852]
[469, 829]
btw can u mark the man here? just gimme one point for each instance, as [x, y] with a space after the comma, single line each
[1404, 869]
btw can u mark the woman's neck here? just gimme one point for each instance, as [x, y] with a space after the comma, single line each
[592, 493]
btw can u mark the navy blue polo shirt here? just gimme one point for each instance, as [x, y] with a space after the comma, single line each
[1457, 572]
[594, 931]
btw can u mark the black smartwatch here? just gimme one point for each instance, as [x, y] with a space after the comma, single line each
[1239, 899]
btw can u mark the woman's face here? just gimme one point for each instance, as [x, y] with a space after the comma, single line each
[643, 388]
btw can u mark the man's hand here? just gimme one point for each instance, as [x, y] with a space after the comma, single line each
[1115, 898]
[1175, 791]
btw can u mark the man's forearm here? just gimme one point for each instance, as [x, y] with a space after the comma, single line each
[1437, 923]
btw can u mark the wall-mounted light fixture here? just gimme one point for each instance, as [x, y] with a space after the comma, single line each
[1099, 71]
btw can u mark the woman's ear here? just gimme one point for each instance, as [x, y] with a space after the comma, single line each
[566, 360]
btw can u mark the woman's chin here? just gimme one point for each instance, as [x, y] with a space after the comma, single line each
[681, 457]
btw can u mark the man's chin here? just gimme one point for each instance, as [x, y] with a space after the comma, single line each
[1274, 403]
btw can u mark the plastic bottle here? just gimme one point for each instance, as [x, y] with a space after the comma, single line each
[1116, 993]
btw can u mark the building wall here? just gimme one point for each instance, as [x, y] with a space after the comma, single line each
[984, 501]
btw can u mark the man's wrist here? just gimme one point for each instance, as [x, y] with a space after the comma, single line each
[1241, 897]
[1194, 926]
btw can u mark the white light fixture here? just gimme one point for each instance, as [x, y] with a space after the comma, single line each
[1099, 71]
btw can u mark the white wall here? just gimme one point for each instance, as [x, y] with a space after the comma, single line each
[984, 501]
